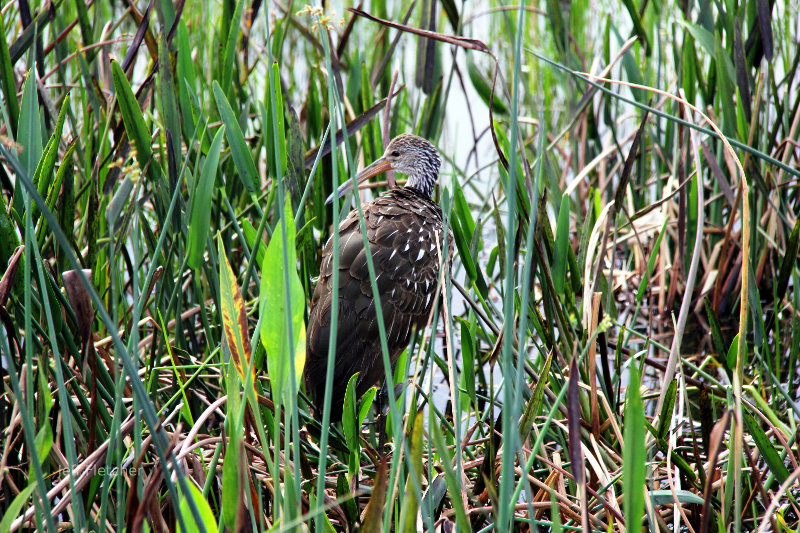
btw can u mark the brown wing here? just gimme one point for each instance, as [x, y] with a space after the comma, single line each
[402, 229]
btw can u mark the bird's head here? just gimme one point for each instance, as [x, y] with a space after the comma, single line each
[407, 154]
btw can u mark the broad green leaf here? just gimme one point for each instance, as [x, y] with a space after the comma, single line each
[185, 76]
[560, 258]
[726, 86]
[668, 497]
[451, 9]
[43, 442]
[12, 511]
[410, 507]
[366, 404]
[349, 415]
[300, 347]
[467, 378]
[200, 215]
[431, 118]
[702, 36]
[634, 455]
[231, 482]
[463, 210]
[209, 521]
[44, 437]
[353, 88]
[462, 244]
[232, 466]
[689, 68]
[350, 425]
[348, 503]
[733, 351]
[234, 319]
[275, 332]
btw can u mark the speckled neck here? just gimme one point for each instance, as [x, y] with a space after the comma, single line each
[425, 178]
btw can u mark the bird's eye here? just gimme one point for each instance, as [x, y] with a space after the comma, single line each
[395, 154]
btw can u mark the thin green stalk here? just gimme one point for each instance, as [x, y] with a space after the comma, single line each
[511, 394]
[317, 510]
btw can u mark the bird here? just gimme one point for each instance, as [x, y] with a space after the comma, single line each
[406, 234]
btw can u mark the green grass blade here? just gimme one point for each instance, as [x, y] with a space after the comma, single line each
[276, 134]
[533, 407]
[7, 79]
[242, 157]
[454, 487]
[665, 417]
[638, 27]
[135, 125]
[651, 264]
[789, 262]
[168, 98]
[29, 134]
[43, 175]
[765, 446]
[716, 333]
[200, 214]
[229, 51]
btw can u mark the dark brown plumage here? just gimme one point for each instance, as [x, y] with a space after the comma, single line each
[403, 228]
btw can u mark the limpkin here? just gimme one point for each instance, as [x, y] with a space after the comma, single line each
[404, 227]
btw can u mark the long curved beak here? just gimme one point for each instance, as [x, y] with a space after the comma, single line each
[378, 166]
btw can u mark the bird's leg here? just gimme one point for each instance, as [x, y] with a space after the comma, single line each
[381, 403]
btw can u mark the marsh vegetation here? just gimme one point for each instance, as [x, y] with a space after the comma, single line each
[615, 346]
